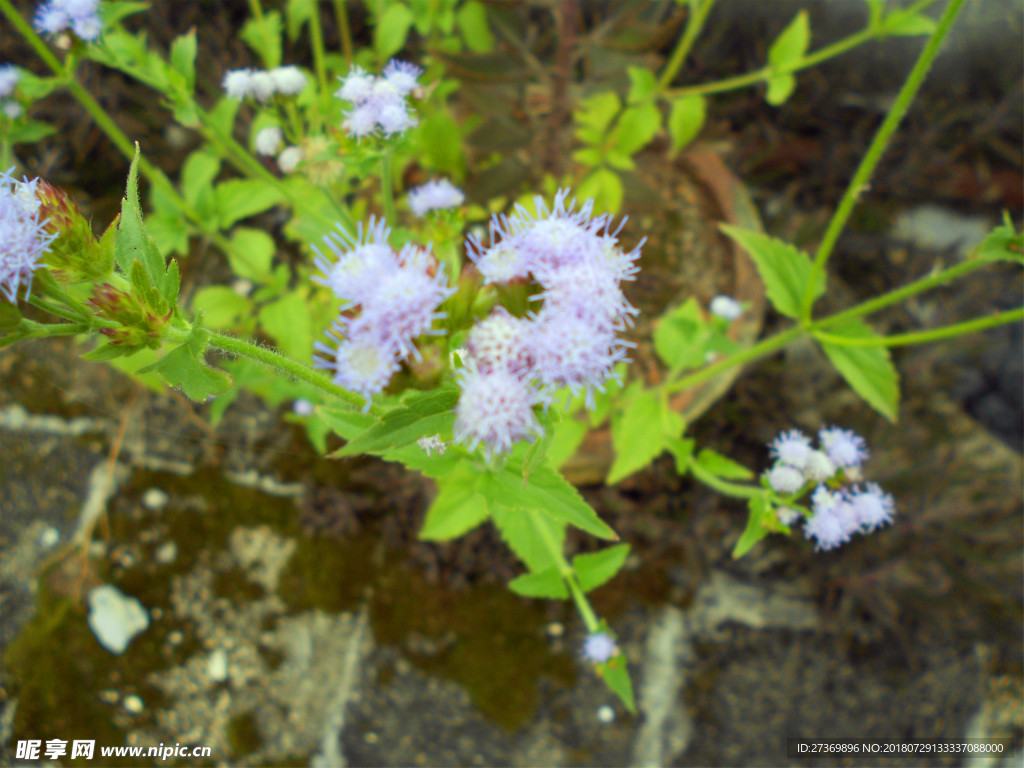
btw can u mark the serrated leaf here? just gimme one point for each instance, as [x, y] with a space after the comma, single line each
[297, 14]
[756, 528]
[132, 242]
[566, 438]
[548, 491]
[785, 271]
[457, 508]
[636, 127]
[642, 84]
[241, 198]
[472, 19]
[106, 352]
[347, 424]
[594, 115]
[183, 58]
[171, 283]
[519, 529]
[597, 568]
[640, 431]
[685, 119]
[723, 466]
[184, 367]
[867, 369]
[545, 585]
[421, 415]
[392, 30]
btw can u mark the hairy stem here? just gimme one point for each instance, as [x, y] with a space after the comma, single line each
[694, 24]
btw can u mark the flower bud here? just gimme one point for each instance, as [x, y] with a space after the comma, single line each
[75, 255]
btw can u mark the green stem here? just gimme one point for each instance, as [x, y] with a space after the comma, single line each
[762, 348]
[736, 490]
[824, 54]
[316, 37]
[694, 23]
[567, 572]
[923, 337]
[341, 13]
[878, 145]
[58, 310]
[43, 330]
[387, 191]
[287, 366]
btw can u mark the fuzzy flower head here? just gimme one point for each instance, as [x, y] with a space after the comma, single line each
[785, 479]
[238, 83]
[23, 236]
[435, 195]
[268, 140]
[792, 448]
[290, 158]
[725, 307]
[599, 648]
[379, 103]
[819, 467]
[501, 342]
[288, 80]
[844, 448]
[389, 300]
[80, 16]
[496, 409]
[872, 507]
[9, 76]
[833, 522]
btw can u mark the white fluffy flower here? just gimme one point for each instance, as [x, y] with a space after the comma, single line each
[435, 195]
[288, 80]
[290, 158]
[725, 307]
[268, 141]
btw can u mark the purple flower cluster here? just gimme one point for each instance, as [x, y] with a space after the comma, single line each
[81, 16]
[388, 298]
[262, 86]
[572, 341]
[435, 195]
[23, 237]
[838, 512]
[379, 103]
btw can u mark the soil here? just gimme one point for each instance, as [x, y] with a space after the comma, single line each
[351, 640]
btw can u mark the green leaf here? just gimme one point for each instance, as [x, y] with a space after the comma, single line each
[723, 466]
[546, 585]
[222, 116]
[548, 491]
[1001, 244]
[131, 241]
[184, 367]
[288, 321]
[250, 253]
[904, 24]
[472, 19]
[636, 127]
[183, 58]
[457, 508]
[681, 336]
[241, 198]
[869, 370]
[784, 270]
[29, 132]
[616, 675]
[263, 36]
[422, 414]
[107, 352]
[789, 47]
[756, 528]
[519, 529]
[685, 119]
[440, 141]
[605, 188]
[597, 568]
[682, 450]
[197, 175]
[566, 438]
[169, 233]
[594, 115]
[347, 424]
[642, 84]
[221, 306]
[297, 15]
[640, 430]
[392, 29]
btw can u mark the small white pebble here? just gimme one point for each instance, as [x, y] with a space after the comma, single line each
[217, 665]
[176, 637]
[133, 704]
[154, 499]
[48, 537]
[606, 714]
[167, 553]
[556, 629]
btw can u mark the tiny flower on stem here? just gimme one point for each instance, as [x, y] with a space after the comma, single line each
[599, 648]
